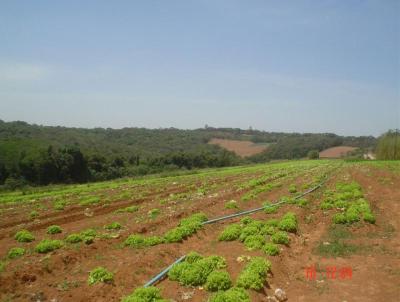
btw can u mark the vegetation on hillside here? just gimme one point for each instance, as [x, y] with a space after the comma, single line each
[389, 146]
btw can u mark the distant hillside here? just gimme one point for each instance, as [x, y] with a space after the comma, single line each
[27, 151]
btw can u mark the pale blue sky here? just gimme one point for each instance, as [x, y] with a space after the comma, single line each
[303, 66]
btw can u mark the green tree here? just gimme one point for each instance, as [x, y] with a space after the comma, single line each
[313, 154]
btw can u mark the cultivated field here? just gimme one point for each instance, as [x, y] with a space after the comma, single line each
[104, 241]
[241, 148]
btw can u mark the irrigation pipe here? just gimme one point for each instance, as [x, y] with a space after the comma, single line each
[166, 270]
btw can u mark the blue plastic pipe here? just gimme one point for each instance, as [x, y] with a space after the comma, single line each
[163, 273]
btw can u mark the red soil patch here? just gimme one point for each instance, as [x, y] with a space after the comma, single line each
[336, 152]
[241, 148]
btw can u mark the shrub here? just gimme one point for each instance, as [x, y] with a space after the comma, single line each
[73, 238]
[254, 242]
[54, 229]
[280, 238]
[100, 274]
[48, 245]
[24, 236]
[145, 294]
[230, 233]
[253, 275]
[234, 294]
[15, 252]
[218, 280]
[139, 241]
[113, 226]
[288, 223]
[271, 249]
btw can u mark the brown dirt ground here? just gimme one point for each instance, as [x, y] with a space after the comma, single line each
[336, 152]
[241, 148]
[62, 275]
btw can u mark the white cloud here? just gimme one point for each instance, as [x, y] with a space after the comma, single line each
[22, 72]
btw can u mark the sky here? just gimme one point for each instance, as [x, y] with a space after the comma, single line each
[290, 66]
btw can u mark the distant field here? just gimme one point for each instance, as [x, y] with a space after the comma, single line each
[336, 152]
[241, 148]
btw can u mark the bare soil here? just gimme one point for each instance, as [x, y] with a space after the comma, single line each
[241, 148]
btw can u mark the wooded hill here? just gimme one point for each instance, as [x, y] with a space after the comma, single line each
[44, 154]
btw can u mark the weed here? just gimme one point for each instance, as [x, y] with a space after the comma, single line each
[15, 252]
[54, 229]
[253, 275]
[234, 294]
[59, 205]
[24, 236]
[218, 280]
[100, 274]
[292, 188]
[336, 248]
[48, 245]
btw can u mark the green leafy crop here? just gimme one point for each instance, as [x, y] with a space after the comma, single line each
[288, 223]
[100, 274]
[186, 227]
[271, 249]
[253, 275]
[48, 245]
[73, 238]
[15, 252]
[280, 238]
[113, 226]
[230, 233]
[139, 241]
[54, 229]
[145, 294]
[234, 294]
[218, 280]
[24, 236]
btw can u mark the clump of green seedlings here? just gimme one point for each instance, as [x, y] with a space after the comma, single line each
[288, 223]
[186, 228]
[145, 294]
[130, 209]
[48, 245]
[280, 237]
[231, 204]
[59, 205]
[234, 294]
[269, 208]
[195, 270]
[24, 236]
[100, 274]
[34, 214]
[254, 274]
[348, 198]
[15, 252]
[231, 233]
[113, 226]
[292, 188]
[54, 229]
[87, 236]
[153, 213]
[139, 241]
[218, 280]
[89, 200]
